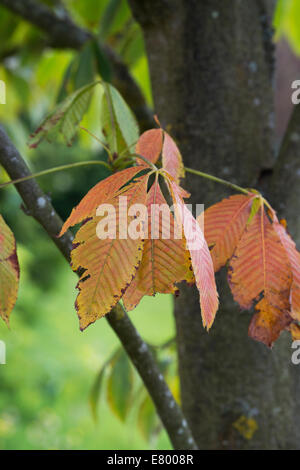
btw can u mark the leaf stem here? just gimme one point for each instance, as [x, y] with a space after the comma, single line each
[54, 170]
[145, 160]
[98, 140]
[217, 180]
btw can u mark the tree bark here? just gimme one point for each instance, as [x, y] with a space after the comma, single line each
[211, 65]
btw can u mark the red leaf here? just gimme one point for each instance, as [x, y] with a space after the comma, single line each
[200, 257]
[172, 159]
[260, 272]
[294, 259]
[149, 145]
[98, 195]
[224, 224]
[165, 260]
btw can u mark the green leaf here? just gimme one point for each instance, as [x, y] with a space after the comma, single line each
[147, 419]
[63, 90]
[119, 124]
[85, 72]
[287, 22]
[108, 17]
[120, 385]
[65, 118]
[96, 391]
[87, 12]
[102, 62]
[254, 208]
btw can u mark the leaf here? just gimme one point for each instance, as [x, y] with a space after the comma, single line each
[110, 264]
[120, 386]
[102, 62]
[147, 419]
[95, 392]
[69, 72]
[201, 259]
[85, 70]
[165, 260]
[260, 265]
[65, 117]
[99, 194]
[9, 271]
[224, 224]
[259, 271]
[294, 259]
[108, 17]
[246, 426]
[295, 331]
[172, 159]
[255, 206]
[268, 323]
[149, 145]
[119, 124]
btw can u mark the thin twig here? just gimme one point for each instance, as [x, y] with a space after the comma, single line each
[217, 180]
[55, 170]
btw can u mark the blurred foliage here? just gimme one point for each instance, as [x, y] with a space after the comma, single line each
[53, 371]
[287, 22]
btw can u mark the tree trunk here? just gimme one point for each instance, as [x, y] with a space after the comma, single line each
[211, 65]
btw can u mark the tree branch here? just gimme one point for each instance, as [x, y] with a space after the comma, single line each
[64, 33]
[41, 209]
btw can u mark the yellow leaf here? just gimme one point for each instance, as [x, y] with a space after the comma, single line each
[110, 263]
[9, 271]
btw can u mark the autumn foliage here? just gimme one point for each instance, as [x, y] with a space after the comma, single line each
[241, 233]
[9, 271]
[262, 261]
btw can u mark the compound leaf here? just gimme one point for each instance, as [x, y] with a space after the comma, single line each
[65, 118]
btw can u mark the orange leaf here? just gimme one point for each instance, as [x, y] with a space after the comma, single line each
[260, 271]
[9, 271]
[224, 224]
[172, 159]
[149, 145]
[268, 323]
[200, 256]
[294, 329]
[294, 259]
[165, 260]
[98, 195]
[110, 264]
